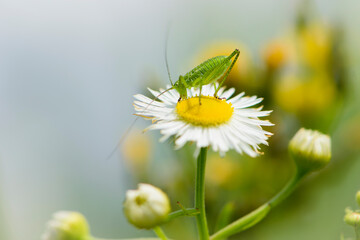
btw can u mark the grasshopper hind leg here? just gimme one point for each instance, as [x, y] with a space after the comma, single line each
[235, 53]
[215, 94]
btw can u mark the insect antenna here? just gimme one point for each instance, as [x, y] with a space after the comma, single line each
[166, 58]
[139, 114]
[123, 137]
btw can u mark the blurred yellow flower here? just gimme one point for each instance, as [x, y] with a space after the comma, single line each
[278, 52]
[315, 45]
[242, 74]
[137, 151]
[304, 94]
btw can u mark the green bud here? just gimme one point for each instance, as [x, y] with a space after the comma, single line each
[147, 206]
[67, 226]
[352, 218]
[310, 149]
[358, 198]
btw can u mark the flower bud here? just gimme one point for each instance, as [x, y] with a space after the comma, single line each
[352, 218]
[310, 149]
[67, 226]
[147, 206]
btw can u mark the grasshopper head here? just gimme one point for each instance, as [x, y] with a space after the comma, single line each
[181, 87]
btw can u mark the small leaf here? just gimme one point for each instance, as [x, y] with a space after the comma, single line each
[225, 215]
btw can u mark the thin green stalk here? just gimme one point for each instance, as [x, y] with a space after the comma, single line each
[200, 196]
[258, 214]
[160, 233]
[357, 232]
[190, 212]
[287, 190]
[94, 238]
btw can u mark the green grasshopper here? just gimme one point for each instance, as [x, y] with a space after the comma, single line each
[208, 72]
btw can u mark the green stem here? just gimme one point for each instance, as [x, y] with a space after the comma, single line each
[200, 196]
[258, 214]
[190, 212]
[160, 233]
[357, 232]
[287, 190]
[94, 238]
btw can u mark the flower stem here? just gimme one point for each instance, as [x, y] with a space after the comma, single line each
[357, 232]
[258, 214]
[287, 190]
[160, 233]
[190, 212]
[94, 238]
[200, 195]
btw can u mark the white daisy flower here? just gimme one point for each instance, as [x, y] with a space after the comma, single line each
[223, 123]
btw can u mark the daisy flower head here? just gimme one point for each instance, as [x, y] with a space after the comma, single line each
[224, 123]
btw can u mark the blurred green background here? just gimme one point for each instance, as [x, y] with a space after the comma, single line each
[68, 70]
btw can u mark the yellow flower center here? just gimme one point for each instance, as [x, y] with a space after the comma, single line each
[212, 111]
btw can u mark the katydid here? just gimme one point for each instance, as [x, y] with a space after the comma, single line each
[207, 72]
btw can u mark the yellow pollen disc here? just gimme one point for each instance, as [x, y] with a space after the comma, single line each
[211, 112]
